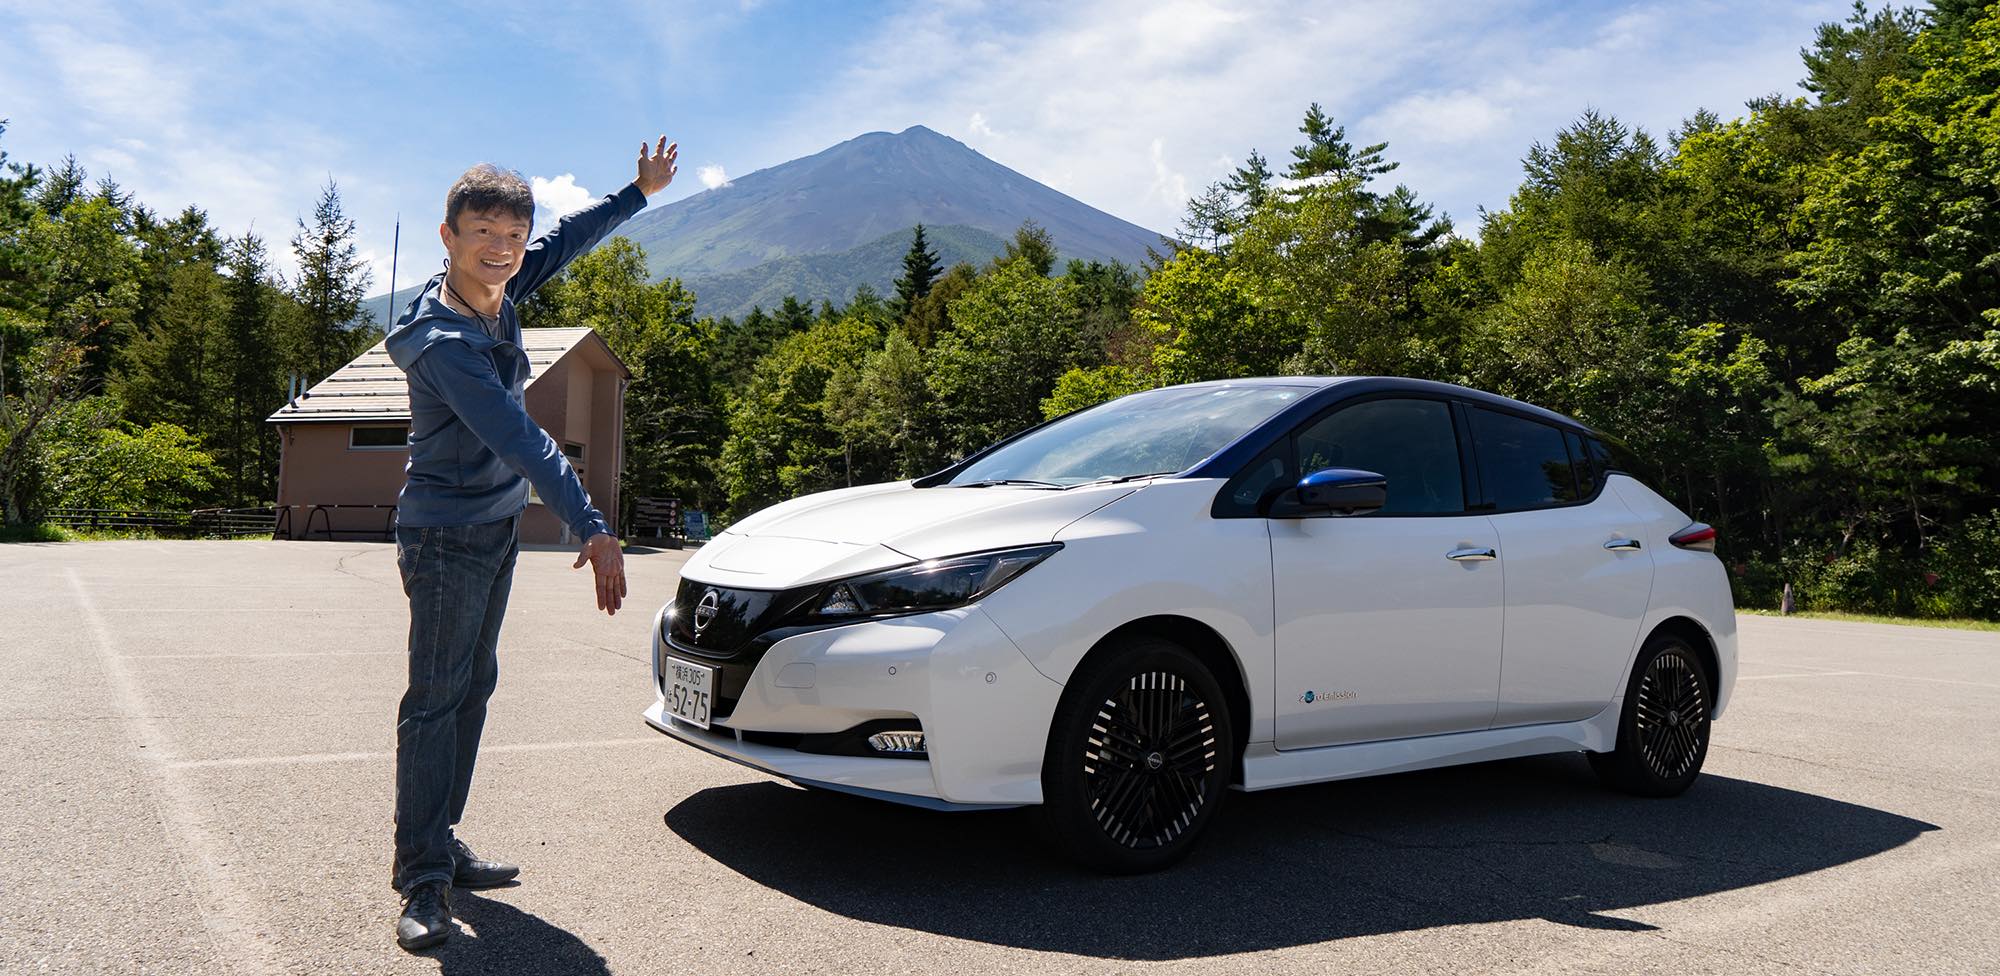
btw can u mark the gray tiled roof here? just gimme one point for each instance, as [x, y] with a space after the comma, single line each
[372, 388]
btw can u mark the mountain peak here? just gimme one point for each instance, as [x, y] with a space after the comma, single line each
[861, 190]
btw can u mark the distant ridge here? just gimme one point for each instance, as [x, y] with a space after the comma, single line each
[815, 226]
[834, 277]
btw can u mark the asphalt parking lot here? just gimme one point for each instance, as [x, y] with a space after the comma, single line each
[197, 779]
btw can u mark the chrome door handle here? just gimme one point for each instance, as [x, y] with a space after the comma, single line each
[1475, 555]
[1622, 545]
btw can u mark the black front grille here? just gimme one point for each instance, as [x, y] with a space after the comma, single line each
[744, 626]
[739, 616]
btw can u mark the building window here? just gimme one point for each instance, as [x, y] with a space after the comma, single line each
[396, 438]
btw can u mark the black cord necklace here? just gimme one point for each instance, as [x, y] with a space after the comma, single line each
[492, 329]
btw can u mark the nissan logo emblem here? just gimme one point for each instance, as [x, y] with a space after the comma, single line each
[704, 612]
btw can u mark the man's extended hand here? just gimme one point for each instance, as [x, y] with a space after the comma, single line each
[608, 562]
[656, 170]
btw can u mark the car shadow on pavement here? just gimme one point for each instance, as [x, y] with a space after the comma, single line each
[1521, 839]
[495, 937]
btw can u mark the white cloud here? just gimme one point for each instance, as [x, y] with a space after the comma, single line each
[1169, 184]
[559, 197]
[1448, 117]
[1458, 91]
[712, 176]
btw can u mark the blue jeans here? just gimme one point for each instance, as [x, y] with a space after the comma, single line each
[457, 578]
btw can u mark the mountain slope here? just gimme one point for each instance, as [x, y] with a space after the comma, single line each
[815, 277]
[861, 190]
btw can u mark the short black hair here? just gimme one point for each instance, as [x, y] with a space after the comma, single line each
[487, 188]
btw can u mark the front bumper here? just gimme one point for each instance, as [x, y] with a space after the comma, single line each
[984, 710]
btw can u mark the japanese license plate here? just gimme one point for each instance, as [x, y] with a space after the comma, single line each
[690, 688]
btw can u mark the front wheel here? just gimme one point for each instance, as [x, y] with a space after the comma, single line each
[1663, 730]
[1138, 757]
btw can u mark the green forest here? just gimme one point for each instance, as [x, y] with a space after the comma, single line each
[1791, 316]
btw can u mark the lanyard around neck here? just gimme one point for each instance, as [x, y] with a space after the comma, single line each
[492, 328]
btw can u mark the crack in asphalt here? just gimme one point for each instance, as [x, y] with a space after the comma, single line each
[340, 566]
[607, 650]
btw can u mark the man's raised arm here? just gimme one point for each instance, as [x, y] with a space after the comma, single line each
[582, 230]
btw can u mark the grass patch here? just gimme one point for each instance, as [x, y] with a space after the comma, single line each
[1875, 618]
[56, 533]
[39, 532]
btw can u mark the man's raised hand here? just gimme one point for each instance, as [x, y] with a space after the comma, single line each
[607, 562]
[656, 170]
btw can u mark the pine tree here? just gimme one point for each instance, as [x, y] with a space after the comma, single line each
[61, 187]
[920, 268]
[1251, 182]
[170, 374]
[332, 281]
[248, 374]
[1033, 246]
[1326, 152]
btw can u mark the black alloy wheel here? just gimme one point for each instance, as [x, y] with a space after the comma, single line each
[1663, 732]
[1138, 759]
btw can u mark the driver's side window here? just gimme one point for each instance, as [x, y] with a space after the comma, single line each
[1409, 442]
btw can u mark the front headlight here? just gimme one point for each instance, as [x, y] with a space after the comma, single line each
[936, 584]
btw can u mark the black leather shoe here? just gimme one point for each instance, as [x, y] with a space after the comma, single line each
[426, 917]
[469, 871]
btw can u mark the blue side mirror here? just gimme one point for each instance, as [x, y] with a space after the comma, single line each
[1344, 490]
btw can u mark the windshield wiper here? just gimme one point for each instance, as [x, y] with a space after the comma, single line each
[1125, 478]
[1008, 481]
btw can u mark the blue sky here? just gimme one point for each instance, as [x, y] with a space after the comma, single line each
[246, 108]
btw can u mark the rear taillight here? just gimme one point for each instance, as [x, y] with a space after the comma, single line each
[1700, 535]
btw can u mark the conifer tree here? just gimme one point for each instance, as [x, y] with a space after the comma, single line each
[920, 268]
[248, 374]
[1326, 152]
[1032, 246]
[1251, 182]
[332, 282]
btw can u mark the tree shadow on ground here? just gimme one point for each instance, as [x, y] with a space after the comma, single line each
[1529, 838]
[495, 937]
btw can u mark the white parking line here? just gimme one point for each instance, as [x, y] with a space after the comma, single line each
[1870, 674]
[182, 657]
[199, 852]
[343, 611]
[340, 757]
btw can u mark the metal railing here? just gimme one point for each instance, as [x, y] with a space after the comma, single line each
[319, 520]
[201, 523]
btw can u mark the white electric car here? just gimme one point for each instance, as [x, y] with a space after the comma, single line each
[1253, 583]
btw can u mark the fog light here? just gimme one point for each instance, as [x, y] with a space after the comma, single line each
[902, 742]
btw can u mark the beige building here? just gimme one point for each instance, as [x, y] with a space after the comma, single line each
[344, 441]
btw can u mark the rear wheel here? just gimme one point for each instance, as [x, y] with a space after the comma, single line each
[1138, 757]
[1663, 731]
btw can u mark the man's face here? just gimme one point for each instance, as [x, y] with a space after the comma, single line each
[487, 246]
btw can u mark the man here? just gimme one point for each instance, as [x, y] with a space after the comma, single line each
[473, 453]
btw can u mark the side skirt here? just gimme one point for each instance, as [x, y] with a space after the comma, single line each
[1265, 767]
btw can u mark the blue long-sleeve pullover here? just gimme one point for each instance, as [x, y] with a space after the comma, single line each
[473, 448]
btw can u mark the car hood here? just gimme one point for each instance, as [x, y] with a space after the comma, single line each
[859, 530]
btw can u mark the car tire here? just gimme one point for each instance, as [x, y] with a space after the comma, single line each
[1138, 758]
[1663, 730]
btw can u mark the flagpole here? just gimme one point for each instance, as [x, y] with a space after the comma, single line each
[389, 322]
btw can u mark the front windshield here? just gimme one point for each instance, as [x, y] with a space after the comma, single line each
[1155, 432]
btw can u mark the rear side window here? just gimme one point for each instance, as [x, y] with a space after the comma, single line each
[1524, 464]
[1410, 442]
